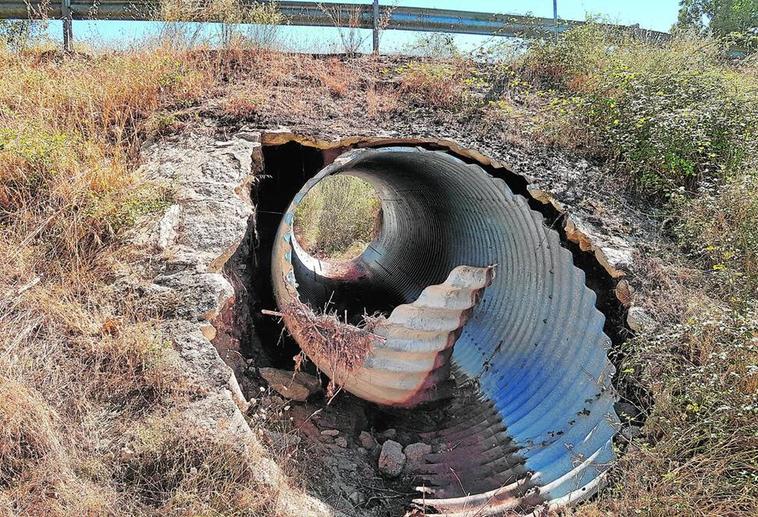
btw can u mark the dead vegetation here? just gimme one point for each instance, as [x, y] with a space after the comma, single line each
[87, 383]
[81, 366]
[344, 347]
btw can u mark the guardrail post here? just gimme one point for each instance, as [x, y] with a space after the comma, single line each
[376, 26]
[68, 26]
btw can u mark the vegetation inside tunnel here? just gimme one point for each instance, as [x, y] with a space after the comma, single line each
[651, 141]
[338, 218]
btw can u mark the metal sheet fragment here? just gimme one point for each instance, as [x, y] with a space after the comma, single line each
[539, 426]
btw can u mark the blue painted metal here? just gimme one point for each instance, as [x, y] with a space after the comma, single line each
[540, 426]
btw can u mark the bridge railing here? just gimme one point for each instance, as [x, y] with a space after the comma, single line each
[314, 14]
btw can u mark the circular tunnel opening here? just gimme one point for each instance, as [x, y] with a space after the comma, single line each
[535, 422]
[337, 219]
[334, 226]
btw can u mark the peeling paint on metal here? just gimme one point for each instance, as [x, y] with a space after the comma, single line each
[540, 424]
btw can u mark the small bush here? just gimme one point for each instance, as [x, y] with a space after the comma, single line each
[337, 218]
[671, 115]
[720, 230]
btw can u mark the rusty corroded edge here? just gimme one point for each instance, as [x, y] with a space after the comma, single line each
[534, 345]
[573, 228]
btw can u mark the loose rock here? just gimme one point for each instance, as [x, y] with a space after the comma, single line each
[330, 432]
[415, 455]
[626, 411]
[639, 320]
[356, 498]
[341, 441]
[391, 459]
[281, 439]
[367, 441]
[624, 292]
[631, 432]
[389, 434]
[291, 385]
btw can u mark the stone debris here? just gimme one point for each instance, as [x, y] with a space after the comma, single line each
[389, 434]
[330, 432]
[297, 386]
[639, 320]
[341, 441]
[284, 440]
[415, 455]
[367, 441]
[357, 498]
[391, 459]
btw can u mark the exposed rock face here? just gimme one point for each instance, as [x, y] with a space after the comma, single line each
[391, 459]
[181, 279]
[612, 252]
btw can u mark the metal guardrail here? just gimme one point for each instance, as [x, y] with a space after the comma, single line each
[314, 14]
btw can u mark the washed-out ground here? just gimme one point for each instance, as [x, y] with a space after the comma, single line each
[329, 443]
[192, 272]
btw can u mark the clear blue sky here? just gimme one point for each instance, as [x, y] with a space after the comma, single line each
[650, 14]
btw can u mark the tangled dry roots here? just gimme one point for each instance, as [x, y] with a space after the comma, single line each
[343, 346]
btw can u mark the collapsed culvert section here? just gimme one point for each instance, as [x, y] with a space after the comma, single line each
[477, 294]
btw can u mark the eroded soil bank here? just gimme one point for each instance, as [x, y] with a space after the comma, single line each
[343, 435]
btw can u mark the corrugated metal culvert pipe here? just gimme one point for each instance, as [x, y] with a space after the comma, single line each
[538, 425]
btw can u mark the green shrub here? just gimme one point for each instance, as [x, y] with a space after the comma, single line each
[721, 230]
[670, 115]
[337, 218]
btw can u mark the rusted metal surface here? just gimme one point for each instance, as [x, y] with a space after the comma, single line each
[411, 364]
[539, 425]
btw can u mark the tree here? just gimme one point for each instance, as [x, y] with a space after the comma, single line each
[19, 34]
[718, 17]
[733, 20]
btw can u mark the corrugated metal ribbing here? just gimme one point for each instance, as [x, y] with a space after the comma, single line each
[534, 342]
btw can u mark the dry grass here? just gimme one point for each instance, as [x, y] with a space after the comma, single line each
[381, 101]
[440, 85]
[695, 381]
[81, 367]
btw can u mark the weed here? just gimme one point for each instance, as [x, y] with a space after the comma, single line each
[719, 230]
[440, 85]
[337, 218]
[671, 115]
